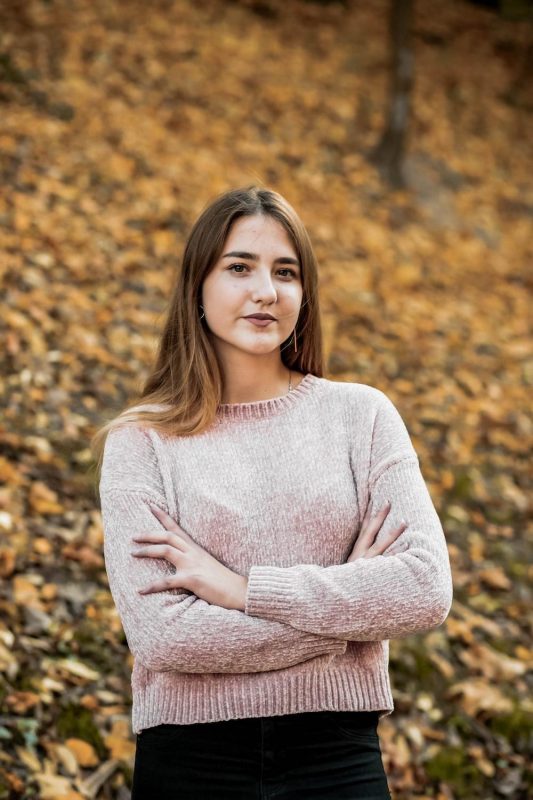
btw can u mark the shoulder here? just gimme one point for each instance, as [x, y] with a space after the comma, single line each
[360, 395]
[129, 457]
[371, 410]
[126, 427]
[127, 430]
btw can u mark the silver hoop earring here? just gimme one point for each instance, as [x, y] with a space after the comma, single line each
[202, 315]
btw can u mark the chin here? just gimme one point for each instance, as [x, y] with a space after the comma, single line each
[258, 347]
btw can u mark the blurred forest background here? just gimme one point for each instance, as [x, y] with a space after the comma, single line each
[119, 121]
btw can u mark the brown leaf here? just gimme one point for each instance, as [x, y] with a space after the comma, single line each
[26, 593]
[84, 752]
[21, 702]
[491, 663]
[7, 561]
[120, 747]
[495, 577]
[43, 500]
[54, 787]
[84, 554]
[12, 780]
[476, 695]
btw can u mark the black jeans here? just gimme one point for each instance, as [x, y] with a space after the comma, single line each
[326, 755]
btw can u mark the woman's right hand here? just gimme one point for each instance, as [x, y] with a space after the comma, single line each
[365, 546]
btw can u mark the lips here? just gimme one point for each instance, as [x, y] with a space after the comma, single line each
[260, 323]
[260, 316]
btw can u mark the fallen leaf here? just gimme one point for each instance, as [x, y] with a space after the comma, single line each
[43, 500]
[78, 668]
[477, 695]
[84, 752]
[21, 702]
[495, 577]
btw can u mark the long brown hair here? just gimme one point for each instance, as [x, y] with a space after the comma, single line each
[186, 377]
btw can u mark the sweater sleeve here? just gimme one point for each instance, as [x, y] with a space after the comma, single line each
[406, 589]
[174, 629]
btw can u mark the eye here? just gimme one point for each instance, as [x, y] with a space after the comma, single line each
[290, 271]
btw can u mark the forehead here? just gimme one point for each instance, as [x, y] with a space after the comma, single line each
[260, 231]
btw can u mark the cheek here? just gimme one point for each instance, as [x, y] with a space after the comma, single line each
[224, 307]
[292, 296]
[223, 296]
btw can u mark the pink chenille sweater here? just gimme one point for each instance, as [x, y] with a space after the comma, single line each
[276, 490]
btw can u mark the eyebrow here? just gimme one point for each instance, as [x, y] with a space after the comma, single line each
[254, 257]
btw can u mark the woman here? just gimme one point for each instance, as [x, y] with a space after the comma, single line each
[266, 531]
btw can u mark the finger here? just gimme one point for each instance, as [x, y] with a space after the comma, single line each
[366, 518]
[376, 522]
[159, 551]
[368, 512]
[378, 549]
[168, 522]
[395, 535]
[163, 517]
[160, 537]
[163, 585]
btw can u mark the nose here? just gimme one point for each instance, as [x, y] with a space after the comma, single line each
[263, 288]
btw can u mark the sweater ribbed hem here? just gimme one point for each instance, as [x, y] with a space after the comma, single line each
[212, 697]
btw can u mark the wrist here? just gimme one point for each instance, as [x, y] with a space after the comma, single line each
[241, 587]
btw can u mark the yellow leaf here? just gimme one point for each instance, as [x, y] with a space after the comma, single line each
[84, 752]
[42, 546]
[78, 668]
[7, 561]
[491, 663]
[67, 758]
[483, 764]
[21, 702]
[459, 629]
[8, 662]
[48, 591]
[495, 577]
[54, 787]
[407, 275]
[400, 751]
[9, 473]
[29, 758]
[478, 695]
[43, 500]
[119, 747]
[25, 593]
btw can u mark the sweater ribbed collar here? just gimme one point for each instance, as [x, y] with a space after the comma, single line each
[274, 405]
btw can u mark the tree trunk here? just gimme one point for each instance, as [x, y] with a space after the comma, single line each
[389, 153]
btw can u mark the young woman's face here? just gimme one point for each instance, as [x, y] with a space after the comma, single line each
[257, 273]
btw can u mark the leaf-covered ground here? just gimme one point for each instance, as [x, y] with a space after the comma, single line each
[120, 121]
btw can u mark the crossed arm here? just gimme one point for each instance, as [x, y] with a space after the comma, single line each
[174, 629]
[291, 614]
[406, 589]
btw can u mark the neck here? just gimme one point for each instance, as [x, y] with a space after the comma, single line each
[245, 387]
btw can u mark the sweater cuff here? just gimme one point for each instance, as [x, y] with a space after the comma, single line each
[271, 593]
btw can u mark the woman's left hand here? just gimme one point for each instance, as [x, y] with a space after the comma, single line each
[196, 569]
